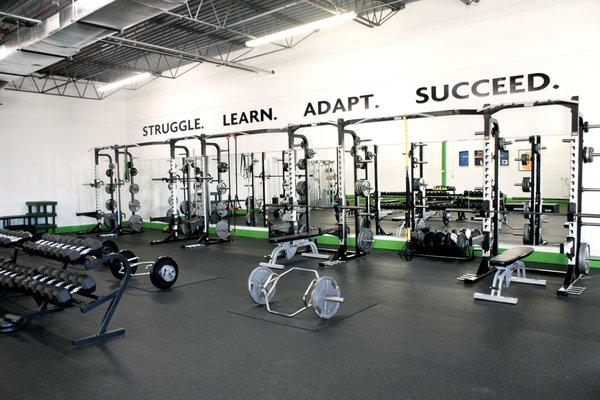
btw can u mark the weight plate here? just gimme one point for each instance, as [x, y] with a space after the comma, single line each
[222, 209]
[133, 171]
[172, 200]
[439, 239]
[222, 229]
[362, 187]
[301, 164]
[429, 240]
[249, 202]
[526, 184]
[190, 226]
[186, 207]
[310, 153]
[135, 223]
[446, 217]
[301, 188]
[222, 167]
[421, 224]
[110, 205]
[527, 233]
[583, 257]
[418, 184]
[110, 188]
[116, 266]
[134, 188]
[222, 188]
[108, 247]
[110, 220]
[588, 155]
[256, 282]
[134, 205]
[325, 288]
[164, 273]
[109, 172]
[364, 240]
[526, 209]
[461, 241]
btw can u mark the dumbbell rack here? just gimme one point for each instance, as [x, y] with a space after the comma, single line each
[55, 289]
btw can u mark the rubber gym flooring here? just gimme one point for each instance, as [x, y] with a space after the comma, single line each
[425, 339]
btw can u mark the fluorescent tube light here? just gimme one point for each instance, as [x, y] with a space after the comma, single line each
[6, 51]
[302, 29]
[124, 82]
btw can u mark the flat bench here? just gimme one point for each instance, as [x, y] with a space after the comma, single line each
[296, 236]
[288, 246]
[506, 263]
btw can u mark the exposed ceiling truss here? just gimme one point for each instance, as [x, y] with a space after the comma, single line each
[174, 42]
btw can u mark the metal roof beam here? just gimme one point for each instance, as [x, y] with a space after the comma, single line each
[182, 54]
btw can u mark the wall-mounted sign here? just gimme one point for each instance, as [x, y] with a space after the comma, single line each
[504, 158]
[478, 158]
[463, 158]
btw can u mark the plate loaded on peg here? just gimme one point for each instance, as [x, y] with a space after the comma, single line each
[163, 272]
[222, 229]
[323, 294]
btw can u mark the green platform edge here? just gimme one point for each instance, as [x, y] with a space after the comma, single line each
[381, 244]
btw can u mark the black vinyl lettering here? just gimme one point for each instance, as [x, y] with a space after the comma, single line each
[475, 88]
[422, 93]
[455, 90]
[515, 82]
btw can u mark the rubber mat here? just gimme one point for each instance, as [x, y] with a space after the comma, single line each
[306, 320]
[185, 279]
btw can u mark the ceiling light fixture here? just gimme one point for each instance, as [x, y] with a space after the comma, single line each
[302, 29]
[124, 82]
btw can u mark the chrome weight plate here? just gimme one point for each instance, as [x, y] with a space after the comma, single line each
[135, 223]
[222, 209]
[222, 229]
[326, 297]
[134, 205]
[134, 188]
[583, 256]
[363, 187]
[364, 240]
[222, 187]
[256, 281]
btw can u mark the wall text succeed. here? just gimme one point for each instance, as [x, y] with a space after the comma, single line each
[485, 87]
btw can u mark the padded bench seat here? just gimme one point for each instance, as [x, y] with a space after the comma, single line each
[510, 256]
[296, 236]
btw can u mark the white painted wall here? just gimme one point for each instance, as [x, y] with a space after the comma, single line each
[45, 143]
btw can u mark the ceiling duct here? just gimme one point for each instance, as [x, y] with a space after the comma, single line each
[62, 35]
